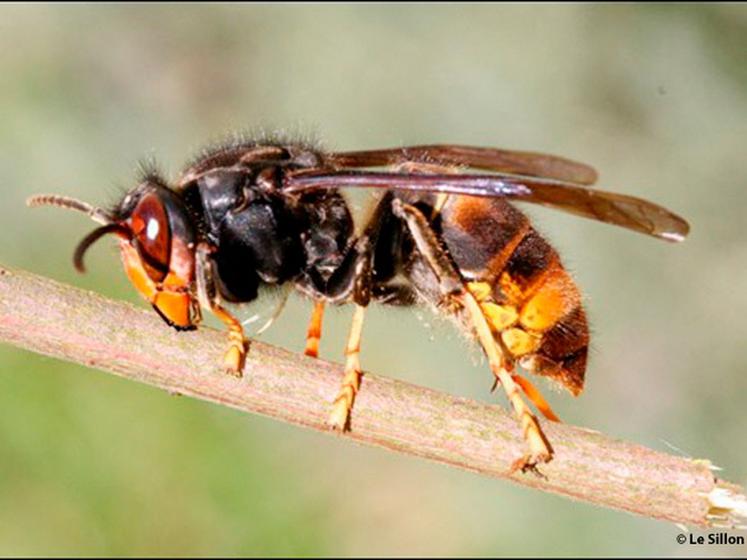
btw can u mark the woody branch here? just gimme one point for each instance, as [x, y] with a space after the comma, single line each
[57, 320]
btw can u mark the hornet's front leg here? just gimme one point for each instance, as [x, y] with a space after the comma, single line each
[207, 295]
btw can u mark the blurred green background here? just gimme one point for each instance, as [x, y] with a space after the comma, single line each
[654, 96]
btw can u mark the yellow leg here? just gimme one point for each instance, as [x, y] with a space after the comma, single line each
[339, 419]
[454, 292]
[540, 450]
[237, 343]
[234, 357]
[314, 332]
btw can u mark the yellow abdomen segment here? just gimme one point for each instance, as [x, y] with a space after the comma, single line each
[526, 312]
[552, 301]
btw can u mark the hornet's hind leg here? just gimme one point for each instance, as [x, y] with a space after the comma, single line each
[455, 295]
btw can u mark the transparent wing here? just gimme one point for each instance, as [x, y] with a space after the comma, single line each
[618, 209]
[492, 159]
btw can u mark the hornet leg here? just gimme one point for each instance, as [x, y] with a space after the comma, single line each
[339, 419]
[314, 331]
[234, 357]
[458, 297]
[362, 292]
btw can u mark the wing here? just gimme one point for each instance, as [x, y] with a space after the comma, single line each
[492, 159]
[617, 209]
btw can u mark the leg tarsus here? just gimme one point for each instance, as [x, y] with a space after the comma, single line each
[339, 418]
[238, 345]
[235, 357]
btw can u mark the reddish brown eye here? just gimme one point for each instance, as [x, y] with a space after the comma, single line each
[151, 236]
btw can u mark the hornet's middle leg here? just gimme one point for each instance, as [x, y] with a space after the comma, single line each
[339, 419]
[360, 284]
[314, 331]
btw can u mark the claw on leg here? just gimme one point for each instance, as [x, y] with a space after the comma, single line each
[528, 464]
[339, 418]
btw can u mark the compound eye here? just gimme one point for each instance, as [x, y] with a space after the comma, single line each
[151, 236]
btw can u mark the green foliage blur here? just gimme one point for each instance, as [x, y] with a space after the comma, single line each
[654, 96]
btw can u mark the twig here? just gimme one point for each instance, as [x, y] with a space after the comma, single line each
[68, 323]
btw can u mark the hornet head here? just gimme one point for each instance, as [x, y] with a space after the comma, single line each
[156, 241]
